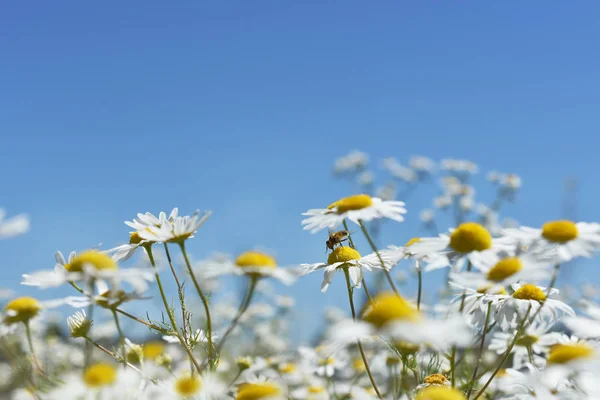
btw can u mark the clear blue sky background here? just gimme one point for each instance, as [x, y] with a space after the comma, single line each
[112, 108]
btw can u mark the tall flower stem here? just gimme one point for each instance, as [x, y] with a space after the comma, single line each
[113, 355]
[481, 345]
[420, 287]
[184, 318]
[211, 358]
[360, 348]
[121, 337]
[169, 313]
[372, 244]
[90, 314]
[34, 359]
[506, 354]
[242, 309]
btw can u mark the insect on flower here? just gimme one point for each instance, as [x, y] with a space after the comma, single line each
[336, 238]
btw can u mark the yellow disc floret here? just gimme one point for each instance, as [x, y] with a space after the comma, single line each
[504, 268]
[95, 259]
[257, 391]
[527, 340]
[560, 231]
[412, 241]
[134, 238]
[436, 379]
[388, 307]
[469, 237]
[315, 389]
[287, 368]
[529, 292]
[188, 385]
[356, 202]
[21, 309]
[153, 349]
[343, 254]
[564, 353]
[255, 259]
[440, 393]
[486, 290]
[100, 374]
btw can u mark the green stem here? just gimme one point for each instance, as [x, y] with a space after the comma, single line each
[481, 345]
[506, 354]
[141, 321]
[121, 337]
[211, 359]
[169, 313]
[34, 359]
[110, 353]
[372, 244]
[90, 315]
[242, 309]
[360, 348]
[419, 288]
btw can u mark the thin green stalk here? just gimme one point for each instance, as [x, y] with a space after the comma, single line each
[419, 288]
[169, 314]
[241, 310]
[121, 337]
[453, 366]
[180, 293]
[481, 345]
[110, 353]
[360, 348]
[211, 359]
[506, 354]
[372, 244]
[90, 315]
[34, 359]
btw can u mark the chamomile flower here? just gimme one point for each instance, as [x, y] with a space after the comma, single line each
[360, 207]
[313, 390]
[24, 309]
[533, 345]
[260, 388]
[568, 239]
[343, 257]
[525, 296]
[497, 270]
[253, 264]
[461, 243]
[182, 385]
[391, 316]
[322, 360]
[585, 327]
[175, 228]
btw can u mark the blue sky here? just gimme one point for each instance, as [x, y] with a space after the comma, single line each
[112, 108]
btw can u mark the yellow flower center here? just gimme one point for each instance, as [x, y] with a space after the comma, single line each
[440, 393]
[135, 238]
[21, 309]
[327, 361]
[358, 364]
[406, 348]
[486, 290]
[502, 373]
[255, 259]
[412, 241]
[112, 299]
[287, 368]
[188, 385]
[356, 202]
[343, 254]
[387, 307]
[504, 268]
[560, 231]
[152, 350]
[316, 389]
[257, 391]
[529, 292]
[435, 379]
[100, 374]
[527, 340]
[93, 258]
[469, 237]
[564, 353]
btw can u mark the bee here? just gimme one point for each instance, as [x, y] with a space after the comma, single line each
[336, 238]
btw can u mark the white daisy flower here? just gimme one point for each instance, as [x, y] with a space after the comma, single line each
[476, 302]
[568, 239]
[172, 229]
[182, 385]
[355, 160]
[390, 316]
[398, 170]
[346, 257]
[23, 309]
[323, 361]
[314, 390]
[451, 249]
[583, 326]
[360, 207]
[514, 307]
[532, 346]
[14, 226]
[253, 264]
[261, 388]
[422, 164]
[497, 270]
